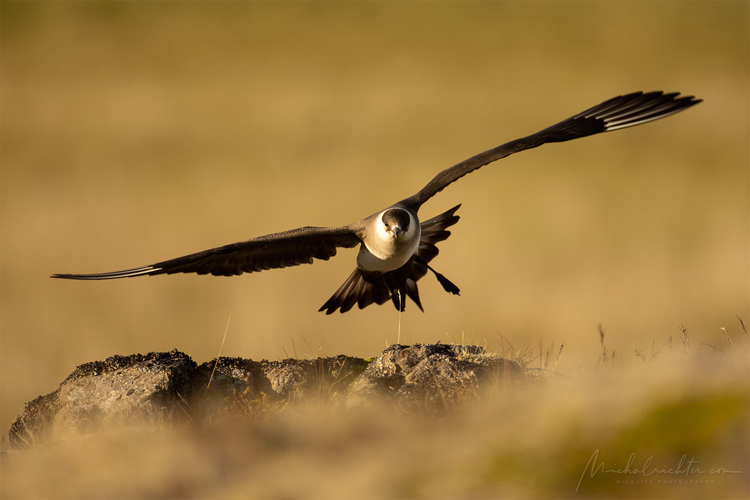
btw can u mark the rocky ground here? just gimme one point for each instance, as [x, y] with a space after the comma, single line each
[169, 387]
[421, 421]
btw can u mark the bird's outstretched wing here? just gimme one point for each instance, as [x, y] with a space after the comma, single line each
[273, 251]
[616, 113]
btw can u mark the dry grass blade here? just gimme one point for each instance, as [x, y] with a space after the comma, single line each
[220, 348]
[685, 338]
[742, 324]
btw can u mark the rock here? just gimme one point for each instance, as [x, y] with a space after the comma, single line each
[432, 378]
[238, 382]
[134, 389]
[159, 389]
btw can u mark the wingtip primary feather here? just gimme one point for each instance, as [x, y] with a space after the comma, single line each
[618, 113]
[646, 108]
[126, 273]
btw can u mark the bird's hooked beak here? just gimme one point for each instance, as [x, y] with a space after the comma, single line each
[396, 231]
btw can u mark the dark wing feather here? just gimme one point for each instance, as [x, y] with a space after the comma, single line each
[363, 288]
[273, 251]
[616, 113]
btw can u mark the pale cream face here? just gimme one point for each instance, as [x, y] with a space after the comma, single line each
[385, 251]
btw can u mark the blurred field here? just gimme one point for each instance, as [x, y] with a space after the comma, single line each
[133, 132]
[680, 433]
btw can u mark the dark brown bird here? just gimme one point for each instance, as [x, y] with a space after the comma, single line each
[395, 249]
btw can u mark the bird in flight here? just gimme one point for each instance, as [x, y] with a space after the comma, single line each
[395, 248]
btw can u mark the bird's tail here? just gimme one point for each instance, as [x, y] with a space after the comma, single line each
[359, 288]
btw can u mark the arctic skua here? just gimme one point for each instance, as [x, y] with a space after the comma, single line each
[395, 248]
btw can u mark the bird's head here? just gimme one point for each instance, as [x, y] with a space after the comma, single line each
[396, 222]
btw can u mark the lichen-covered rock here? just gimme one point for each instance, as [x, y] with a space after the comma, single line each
[136, 389]
[169, 389]
[432, 377]
[277, 379]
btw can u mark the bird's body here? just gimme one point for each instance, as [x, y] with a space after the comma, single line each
[397, 234]
[395, 247]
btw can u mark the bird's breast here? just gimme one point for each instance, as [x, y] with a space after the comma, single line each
[378, 254]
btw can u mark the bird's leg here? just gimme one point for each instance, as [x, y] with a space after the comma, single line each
[447, 284]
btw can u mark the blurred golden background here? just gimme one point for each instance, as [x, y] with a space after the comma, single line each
[134, 132]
